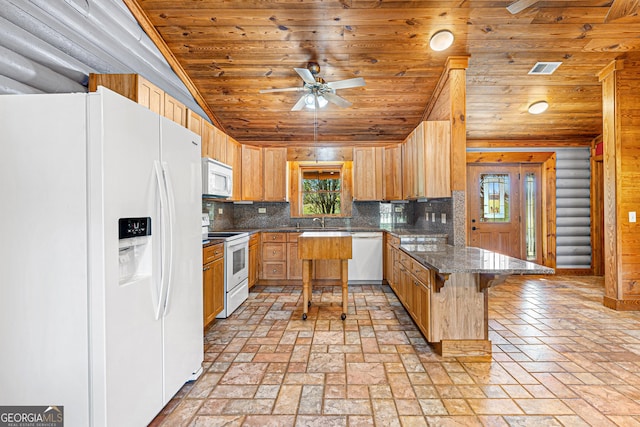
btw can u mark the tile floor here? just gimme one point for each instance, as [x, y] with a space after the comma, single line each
[560, 358]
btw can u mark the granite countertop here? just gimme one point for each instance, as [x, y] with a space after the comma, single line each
[448, 259]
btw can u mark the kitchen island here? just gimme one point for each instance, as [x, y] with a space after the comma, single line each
[445, 290]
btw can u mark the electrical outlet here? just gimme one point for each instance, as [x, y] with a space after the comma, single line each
[632, 216]
[398, 208]
[262, 210]
[444, 218]
[220, 211]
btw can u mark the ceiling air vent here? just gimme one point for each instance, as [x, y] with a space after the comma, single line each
[544, 68]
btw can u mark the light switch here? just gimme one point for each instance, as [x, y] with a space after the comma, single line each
[220, 211]
[444, 218]
[433, 217]
[262, 210]
[632, 216]
[427, 216]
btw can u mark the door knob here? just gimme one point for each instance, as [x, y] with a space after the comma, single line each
[474, 228]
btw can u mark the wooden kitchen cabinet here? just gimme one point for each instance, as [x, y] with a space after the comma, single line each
[368, 173]
[437, 159]
[234, 159]
[195, 125]
[142, 91]
[212, 282]
[218, 150]
[254, 258]
[274, 256]
[392, 172]
[294, 263]
[391, 258]
[409, 166]
[251, 172]
[426, 161]
[175, 110]
[275, 174]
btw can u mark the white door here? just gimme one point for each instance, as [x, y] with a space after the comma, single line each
[182, 323]
[132, 340]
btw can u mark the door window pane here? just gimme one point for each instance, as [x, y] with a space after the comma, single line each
[494, 198]
[530, 216]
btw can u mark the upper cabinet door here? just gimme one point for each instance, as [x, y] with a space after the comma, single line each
[368, 173]
[252, 173]
[393, 172]
[275, 174]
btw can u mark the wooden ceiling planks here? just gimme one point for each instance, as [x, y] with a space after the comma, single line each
[232, 49]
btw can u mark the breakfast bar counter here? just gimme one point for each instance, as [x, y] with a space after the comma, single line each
[445, 289]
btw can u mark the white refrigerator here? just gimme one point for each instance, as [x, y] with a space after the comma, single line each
[100, 257]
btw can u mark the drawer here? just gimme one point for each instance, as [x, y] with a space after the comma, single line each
[212, 253]
[421, 273]
[254, 239]
[405, 261]
[393, 240]
[274, 237]
[274, 251]
[293, 237]
[274, 270]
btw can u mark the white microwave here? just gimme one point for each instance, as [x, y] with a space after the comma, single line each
[217, 178]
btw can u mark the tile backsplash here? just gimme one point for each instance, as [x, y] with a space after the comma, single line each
[226, 215]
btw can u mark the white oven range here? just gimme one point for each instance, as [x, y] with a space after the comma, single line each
[236, 269]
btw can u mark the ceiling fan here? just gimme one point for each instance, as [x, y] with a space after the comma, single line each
[618, 9]
[317, 92]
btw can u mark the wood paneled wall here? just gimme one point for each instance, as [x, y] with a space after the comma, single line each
[621, 164]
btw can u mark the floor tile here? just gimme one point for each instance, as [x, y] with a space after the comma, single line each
[560, 358]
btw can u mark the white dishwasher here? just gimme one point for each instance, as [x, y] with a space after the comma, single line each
[365, 265]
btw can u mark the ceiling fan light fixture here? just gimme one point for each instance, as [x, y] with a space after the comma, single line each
[310, 103]
[441, 40]
[538, 107]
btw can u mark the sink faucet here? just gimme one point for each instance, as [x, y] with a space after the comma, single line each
[321, 221]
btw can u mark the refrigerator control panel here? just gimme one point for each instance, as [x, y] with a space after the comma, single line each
[134, 227]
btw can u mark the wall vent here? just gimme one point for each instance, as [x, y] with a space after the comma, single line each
[544, 68]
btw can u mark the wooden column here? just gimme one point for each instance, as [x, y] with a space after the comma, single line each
[621, 163]
[449, 102]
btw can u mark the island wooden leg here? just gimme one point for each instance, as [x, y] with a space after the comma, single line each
[306, 288]
[344, 276]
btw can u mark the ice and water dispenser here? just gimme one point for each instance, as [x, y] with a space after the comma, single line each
[134, 236]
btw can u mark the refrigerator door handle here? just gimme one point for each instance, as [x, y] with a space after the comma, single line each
[162, 192]
[169, 230]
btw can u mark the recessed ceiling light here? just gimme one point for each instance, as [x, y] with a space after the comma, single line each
[441, 40]
[538, 107]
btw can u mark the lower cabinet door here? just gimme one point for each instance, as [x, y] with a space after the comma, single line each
[217, 268]
[207, 293]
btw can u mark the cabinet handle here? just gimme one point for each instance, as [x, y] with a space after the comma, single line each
[275, 271]
[274, 252]
[206, 268]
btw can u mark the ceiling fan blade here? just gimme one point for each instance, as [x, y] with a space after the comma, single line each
[286, 89]
[344, 84]
[306, 75]
[338, 100]
[520, 5]
[620, 9]
[300, 104]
